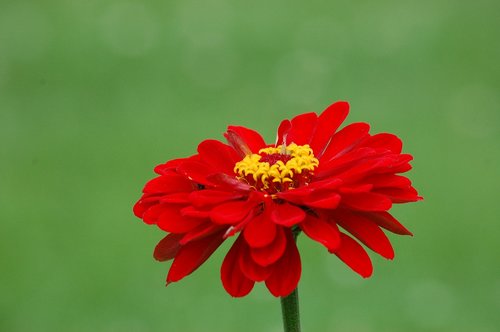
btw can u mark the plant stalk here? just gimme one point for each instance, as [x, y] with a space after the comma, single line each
[290, 311]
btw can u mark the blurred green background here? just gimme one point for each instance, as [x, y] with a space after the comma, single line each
[93, 94]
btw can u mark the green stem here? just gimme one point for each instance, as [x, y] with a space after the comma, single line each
[290, 311]
[290, 303]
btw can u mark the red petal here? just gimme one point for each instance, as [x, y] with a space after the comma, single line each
[200, 232]
[192, 255]
[144, 203]
[169, 166]
[268, 255]
[287, 214]
[302, 130]
[322, 231]
[207, 197]
[367, 201]
[367, 232]
[260, 231]
[401, 168]
[398, 164]
[196, 171]
[384, 140]
[167, 184]
[355, 189]
[345, 140]
[328, 123]
[400, 195]
[177, 198]
[363, 169]
[297, 196]
[252, 270]
[233, 279]
[224, 181]
[342, 163]
[324, 200]
[191, 211]
[168, 247]
[387, 221]
[171, 220]
[353, 254]
[219, 156]
[329, 184]
[151, 215]
[283, 130]
[388, 180]
[241, 137]
[316, 191]
[286, 272]
[231, 213]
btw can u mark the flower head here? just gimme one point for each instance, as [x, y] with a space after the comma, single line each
[335, 186]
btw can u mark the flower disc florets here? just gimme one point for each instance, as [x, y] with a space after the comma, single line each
[276, 169]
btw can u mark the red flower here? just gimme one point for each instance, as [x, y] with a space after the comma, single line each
[313, 180]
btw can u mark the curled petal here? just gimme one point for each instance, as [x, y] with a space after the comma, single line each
[388, 180]
[367, 201]
[151, 215]
[302, 129]
[354, 189]
[191, 211]
[192, 255]
[177, 198]
[336, 166]
[233, 279]
[286, 272]
[207, 197]
[245, 141]
[400, 195]
[169, 166]
[168, 247]
[322, 231]
[283, 131]
[269, 254]
[171, 220]
[231, 213]
[287, 214]
[367, 232]
[386, 141]
[353, 254]
[166, 184]
[252, 270]
[200, 232]
[315, 191]
[144, 204]
[363, 169]
[387, 221]
[297, 196]
[260, 231]
[218, 155]
[398, 164]
[345, 140]
[196, 171]
[324, 200]
[328, 123]
[227, 182]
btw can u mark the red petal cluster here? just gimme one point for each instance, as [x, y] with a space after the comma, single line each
[200, 202]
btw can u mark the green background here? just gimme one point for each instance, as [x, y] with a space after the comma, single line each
[94, 93]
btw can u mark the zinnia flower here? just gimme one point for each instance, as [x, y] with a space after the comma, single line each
[335, 186]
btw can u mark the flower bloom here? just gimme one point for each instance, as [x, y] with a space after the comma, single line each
[335, 186]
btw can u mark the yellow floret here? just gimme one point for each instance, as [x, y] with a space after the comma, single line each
[302, 158]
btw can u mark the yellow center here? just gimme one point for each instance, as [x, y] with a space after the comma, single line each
[278, 168]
